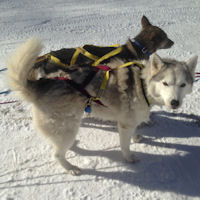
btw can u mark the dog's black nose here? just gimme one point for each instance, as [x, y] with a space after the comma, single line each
[170, 43]
[174, 103]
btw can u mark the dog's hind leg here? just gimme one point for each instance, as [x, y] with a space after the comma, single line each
[61, 148]
[125, 134]
[64, 140]
[61, 128]
[60, 157]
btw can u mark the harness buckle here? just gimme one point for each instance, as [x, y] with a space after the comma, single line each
[144, 50]
[88, 108]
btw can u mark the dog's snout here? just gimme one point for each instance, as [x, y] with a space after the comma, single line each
[170, 43]
[167, 44]
[174, 103]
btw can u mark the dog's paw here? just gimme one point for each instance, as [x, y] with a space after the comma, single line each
[137, 138]
[75, 171]
[132, 158]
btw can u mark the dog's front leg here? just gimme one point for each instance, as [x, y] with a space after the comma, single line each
[125, 134]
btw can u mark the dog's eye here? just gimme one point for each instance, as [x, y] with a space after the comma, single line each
[165, 84]
[183, 85]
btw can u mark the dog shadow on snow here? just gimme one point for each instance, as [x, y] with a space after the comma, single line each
[175, 168]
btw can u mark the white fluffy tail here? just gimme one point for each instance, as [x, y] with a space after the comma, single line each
[19, 66]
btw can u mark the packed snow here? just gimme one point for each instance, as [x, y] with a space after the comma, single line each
[169, 166]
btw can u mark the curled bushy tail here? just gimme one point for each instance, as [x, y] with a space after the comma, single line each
[19, 66]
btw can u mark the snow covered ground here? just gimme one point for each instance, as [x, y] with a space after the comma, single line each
[169, 166]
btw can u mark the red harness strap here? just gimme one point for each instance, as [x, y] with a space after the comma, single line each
[103, 67]
[62, 78]
[81, 87]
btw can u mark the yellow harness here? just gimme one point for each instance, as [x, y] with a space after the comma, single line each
[105, 82]
[97, 61]
[81, 50]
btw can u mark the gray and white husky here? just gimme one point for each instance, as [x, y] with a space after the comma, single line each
[58, 107]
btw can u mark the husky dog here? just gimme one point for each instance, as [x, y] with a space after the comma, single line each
[149, 40]
[58, 106]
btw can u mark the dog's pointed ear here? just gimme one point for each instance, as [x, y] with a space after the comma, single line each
[145, 22]
[191, 63]
[156, 64]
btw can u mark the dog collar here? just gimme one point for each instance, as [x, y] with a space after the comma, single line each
[143, 49]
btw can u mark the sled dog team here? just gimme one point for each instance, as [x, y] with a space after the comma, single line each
[119, 83]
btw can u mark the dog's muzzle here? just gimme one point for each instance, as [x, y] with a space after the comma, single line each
[169, 44]
[174, 103]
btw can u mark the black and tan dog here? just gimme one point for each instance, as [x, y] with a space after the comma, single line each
[150, 39]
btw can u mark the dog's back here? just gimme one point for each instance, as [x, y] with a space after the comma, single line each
[20, 72]
[65, 55]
